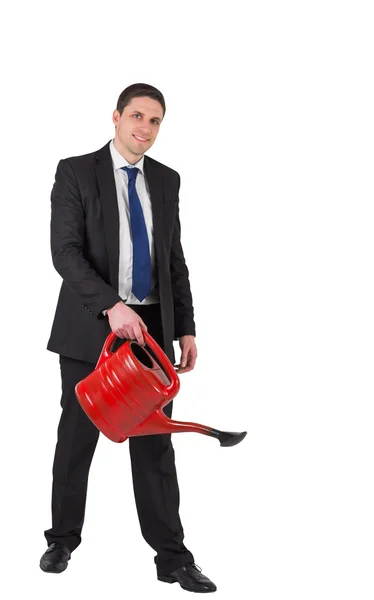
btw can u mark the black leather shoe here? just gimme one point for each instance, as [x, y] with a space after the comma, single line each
[55, 558]
[190, 578]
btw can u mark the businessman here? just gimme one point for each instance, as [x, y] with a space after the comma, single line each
[116, 242]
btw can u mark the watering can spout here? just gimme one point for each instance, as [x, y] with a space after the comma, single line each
[158, 422]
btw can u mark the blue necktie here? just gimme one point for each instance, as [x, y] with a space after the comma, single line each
[141, 260]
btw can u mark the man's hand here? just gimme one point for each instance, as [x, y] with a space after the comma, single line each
[125, 323]
[189, 353]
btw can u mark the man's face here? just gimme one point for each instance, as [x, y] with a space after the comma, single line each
[137, 127]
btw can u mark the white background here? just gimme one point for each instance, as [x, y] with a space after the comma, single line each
[269, 121]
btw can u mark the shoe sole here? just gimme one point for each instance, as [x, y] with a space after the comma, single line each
[168, 579]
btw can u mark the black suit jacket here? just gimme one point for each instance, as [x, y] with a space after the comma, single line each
[85, 252]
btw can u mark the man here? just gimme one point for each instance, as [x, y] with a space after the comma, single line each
[115, 241]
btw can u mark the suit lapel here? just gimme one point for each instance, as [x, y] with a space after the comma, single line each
[153, 176]
[108, 196]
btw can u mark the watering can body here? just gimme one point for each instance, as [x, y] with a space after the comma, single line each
[125, 394]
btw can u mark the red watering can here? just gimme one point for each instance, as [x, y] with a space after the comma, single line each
[126, 392]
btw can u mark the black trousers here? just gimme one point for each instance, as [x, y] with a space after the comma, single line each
[152, 463]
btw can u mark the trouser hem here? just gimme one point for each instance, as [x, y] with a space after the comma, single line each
[68, 542]
[171, 565]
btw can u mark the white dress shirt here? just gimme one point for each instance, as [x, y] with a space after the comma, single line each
[125, 242]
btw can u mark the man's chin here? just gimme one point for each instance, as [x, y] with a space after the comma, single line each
[140, 151]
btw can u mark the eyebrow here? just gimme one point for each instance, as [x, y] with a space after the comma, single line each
[140, 113]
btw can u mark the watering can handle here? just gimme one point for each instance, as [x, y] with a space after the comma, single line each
[159, 353]
[164, 362]
[106, 352]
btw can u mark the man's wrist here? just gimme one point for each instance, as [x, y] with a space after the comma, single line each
[105, 312]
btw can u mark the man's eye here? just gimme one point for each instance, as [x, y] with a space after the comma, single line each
[154, 120]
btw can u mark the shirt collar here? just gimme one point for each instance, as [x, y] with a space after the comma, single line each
[119, 161]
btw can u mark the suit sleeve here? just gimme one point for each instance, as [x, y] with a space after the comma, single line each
[67, 243]
[184, 323]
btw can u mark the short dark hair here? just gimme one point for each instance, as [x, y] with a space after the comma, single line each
[137, 90]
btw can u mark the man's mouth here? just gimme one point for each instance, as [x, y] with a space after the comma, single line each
[139, 138]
